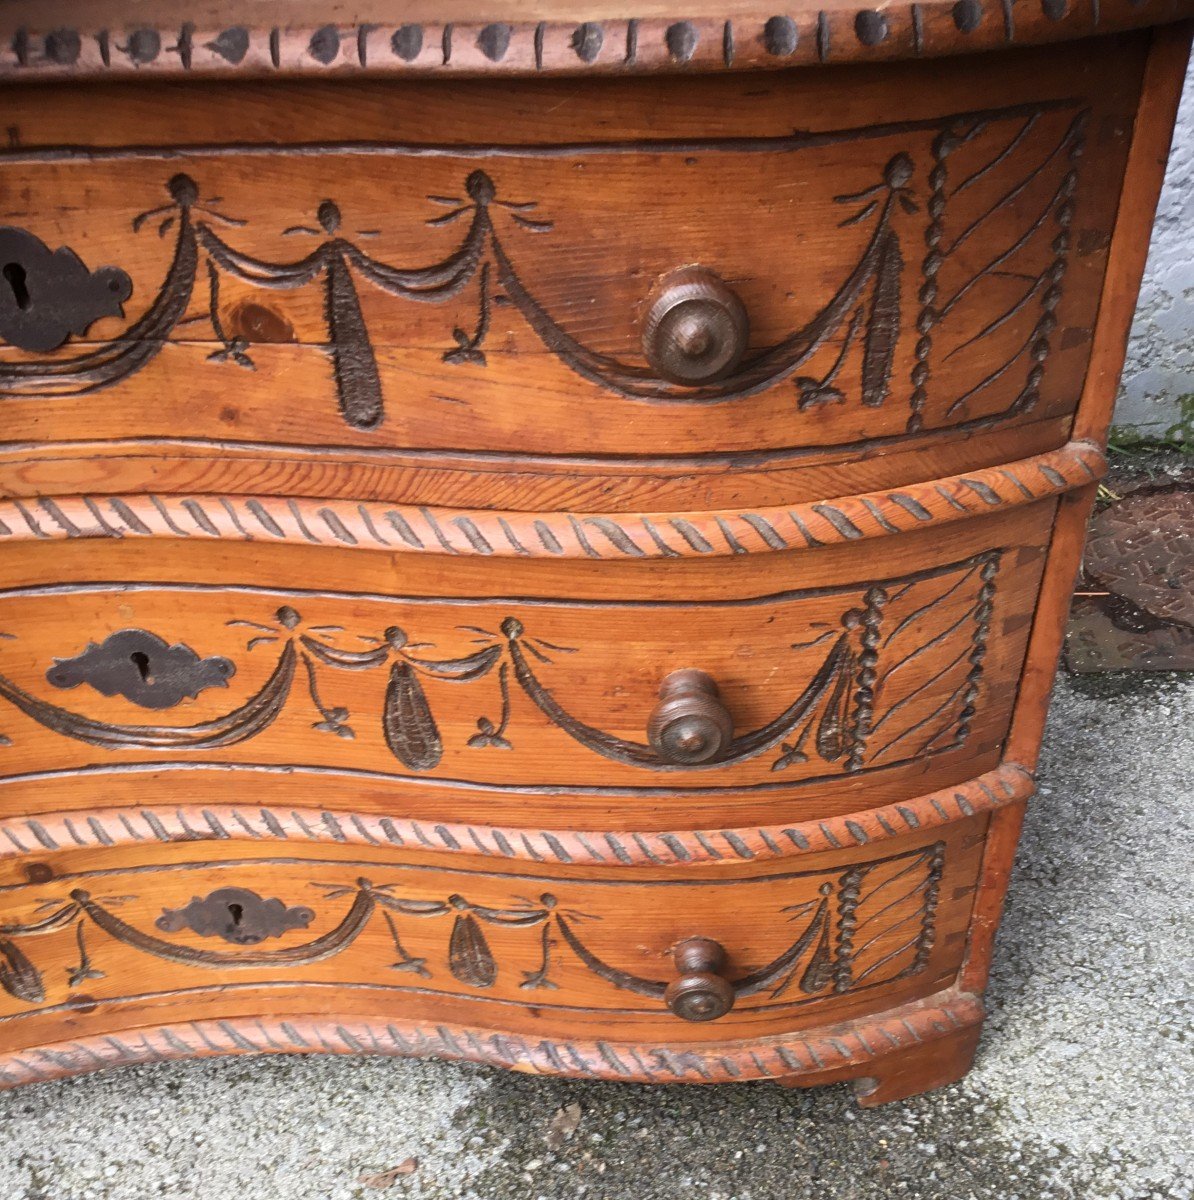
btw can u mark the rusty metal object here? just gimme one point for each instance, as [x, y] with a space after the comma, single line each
[236, 915]
[1135, 608]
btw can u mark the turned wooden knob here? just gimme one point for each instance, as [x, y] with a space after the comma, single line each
[696, 328]
[689, 724]
[701, 993]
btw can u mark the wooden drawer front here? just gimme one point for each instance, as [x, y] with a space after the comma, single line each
[847, 933]
[901, 679]
[903, 271]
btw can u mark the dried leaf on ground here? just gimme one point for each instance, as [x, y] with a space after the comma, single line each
[384, 1179]
[563, 1125]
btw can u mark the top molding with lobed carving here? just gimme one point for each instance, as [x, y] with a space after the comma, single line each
[57, 39]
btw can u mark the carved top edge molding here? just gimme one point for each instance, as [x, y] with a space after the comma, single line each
[33, 47]
[26, 836]
[837, 1048]
[493, 533]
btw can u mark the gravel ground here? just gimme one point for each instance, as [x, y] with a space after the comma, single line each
[1081, 1091]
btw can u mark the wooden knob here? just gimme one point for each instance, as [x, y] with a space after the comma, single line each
[689, 724]
[696, 328]
[701, 993]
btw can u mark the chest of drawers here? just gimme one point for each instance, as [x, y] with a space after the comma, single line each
[544, 540]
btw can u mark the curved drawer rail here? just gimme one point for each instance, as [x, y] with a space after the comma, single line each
[560, 535]
[838, 1052]
[24, 836]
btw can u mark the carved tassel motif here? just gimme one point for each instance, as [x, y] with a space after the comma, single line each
[18, 976]
[831, 729]
[820, 967]
[469, 957]
[883, 324]
[410, 729]
[357, 382]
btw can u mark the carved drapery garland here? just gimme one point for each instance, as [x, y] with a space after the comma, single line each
[832, 718]
[893, 942]
[410, 529]
[865, 309]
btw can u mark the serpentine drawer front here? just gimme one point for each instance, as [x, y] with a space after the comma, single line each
[902, 269]
[545, 541]
[560, 955]
[540, 707]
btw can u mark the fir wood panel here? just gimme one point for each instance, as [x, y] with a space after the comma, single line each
[522, 482]
[571, 535]
[520, 951]
[895, 681]
[903, 274]
[927, 1044]
[395, 658]
[207, 816]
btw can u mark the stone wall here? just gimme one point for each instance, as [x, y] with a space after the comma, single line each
[1160, 366]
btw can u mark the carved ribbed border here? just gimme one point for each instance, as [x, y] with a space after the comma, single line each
[739, 40]
[492, 533]
[837, 1048]
[20, 836]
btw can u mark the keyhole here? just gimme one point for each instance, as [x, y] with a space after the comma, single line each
[140, 660]
[14, 275]
[236, 912]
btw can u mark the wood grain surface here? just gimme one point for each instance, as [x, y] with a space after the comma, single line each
[263, 792]
[851, 690]
[910, 268]
[456, 532]
[906, 1050]
[529, 949]
[207, 816]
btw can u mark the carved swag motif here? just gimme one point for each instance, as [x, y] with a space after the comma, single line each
[861, 926]
[852, 711]
[864, 314]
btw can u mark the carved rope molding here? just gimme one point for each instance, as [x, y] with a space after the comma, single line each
[27, 836]
[845, 1046]
[412, 529]
[750, 40]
